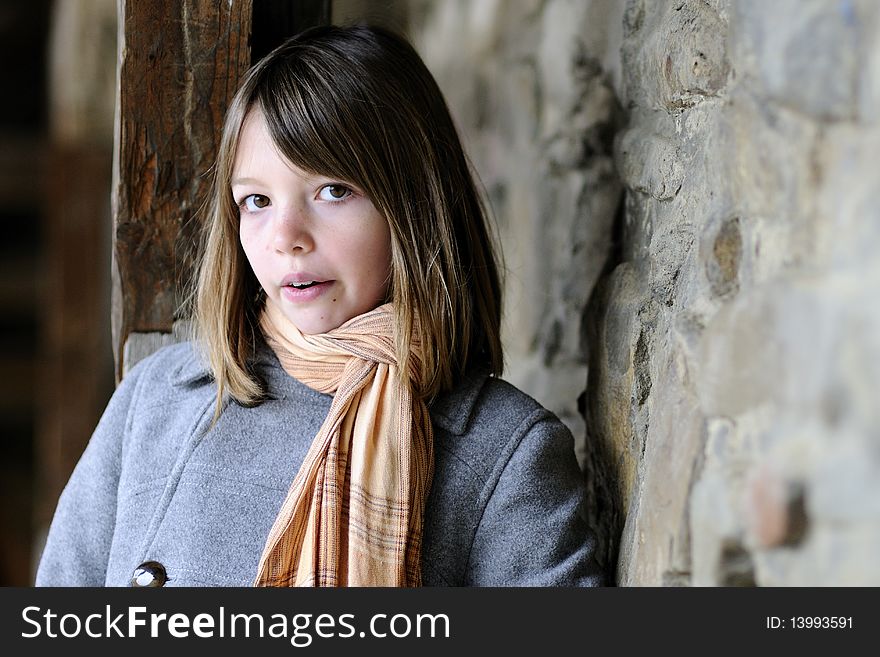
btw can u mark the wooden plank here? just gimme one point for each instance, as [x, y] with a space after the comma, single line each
[180, 62]
[71, 372]
[22, 162]
[18, 284]
[72, 376]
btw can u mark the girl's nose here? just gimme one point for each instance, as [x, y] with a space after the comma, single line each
[292, 231]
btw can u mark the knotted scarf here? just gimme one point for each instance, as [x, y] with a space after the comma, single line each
[353, 515]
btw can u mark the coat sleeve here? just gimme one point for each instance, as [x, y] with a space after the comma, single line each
[533, 531]
[78, 543]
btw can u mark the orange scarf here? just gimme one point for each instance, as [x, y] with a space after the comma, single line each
[353, 515]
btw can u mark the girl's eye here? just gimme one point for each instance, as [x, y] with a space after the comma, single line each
[334, 193]
[254, 202]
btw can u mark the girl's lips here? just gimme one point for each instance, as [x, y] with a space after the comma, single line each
[294, 295]
[301, 277]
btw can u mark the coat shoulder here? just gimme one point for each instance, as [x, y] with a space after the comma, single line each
[496, 482]
[175, 364]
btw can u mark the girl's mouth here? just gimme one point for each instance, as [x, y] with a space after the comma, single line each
[305, 290]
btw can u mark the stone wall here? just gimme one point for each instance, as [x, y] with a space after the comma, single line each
[729, 315]
[536, 109]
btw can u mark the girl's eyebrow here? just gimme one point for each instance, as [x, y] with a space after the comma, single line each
[308, 178]
[244, 181]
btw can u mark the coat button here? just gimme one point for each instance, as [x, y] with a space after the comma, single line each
[149, 573]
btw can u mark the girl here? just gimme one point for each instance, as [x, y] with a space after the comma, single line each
[338, 419]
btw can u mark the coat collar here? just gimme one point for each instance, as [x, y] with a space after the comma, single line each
[192, 369]
[451, 411]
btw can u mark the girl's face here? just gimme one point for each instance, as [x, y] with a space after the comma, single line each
[317, 245]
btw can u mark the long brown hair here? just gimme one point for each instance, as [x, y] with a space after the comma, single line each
[359, 104]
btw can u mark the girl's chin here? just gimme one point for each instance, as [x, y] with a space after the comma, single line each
[317, 318]
[314, 325]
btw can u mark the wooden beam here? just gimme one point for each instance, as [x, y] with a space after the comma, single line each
[179, 65]
[180, 62]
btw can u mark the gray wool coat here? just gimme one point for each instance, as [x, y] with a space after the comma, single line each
[156, 484]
